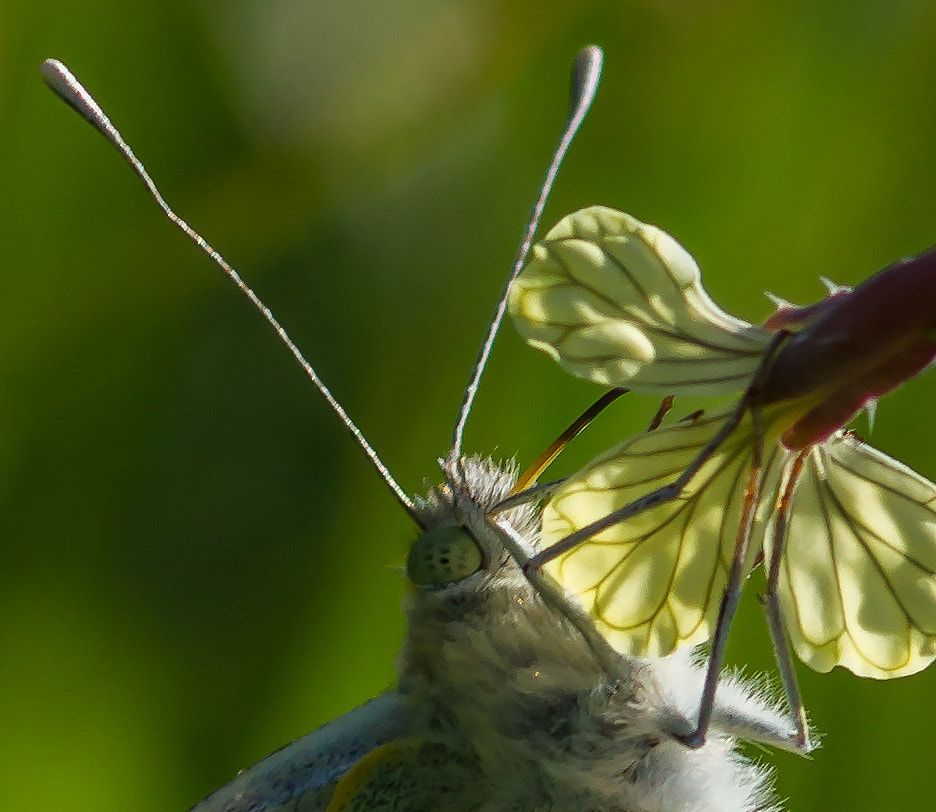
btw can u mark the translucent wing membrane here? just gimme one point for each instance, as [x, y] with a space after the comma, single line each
[858, 576]
[656, 536]
[654, 582]
[620, 303]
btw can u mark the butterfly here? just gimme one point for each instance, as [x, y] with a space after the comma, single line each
[507, 697]
[657, 535]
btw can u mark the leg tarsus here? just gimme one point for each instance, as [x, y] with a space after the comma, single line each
[693, 740]
[771, 605]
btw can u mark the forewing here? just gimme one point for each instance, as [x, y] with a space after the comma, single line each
[654, 582]
[303, 775]
[413, 775]
[858, 580]
[620, 302]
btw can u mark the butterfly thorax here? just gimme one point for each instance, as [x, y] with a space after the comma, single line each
[515, 690]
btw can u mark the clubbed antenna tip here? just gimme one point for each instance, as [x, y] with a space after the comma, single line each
[586, 73]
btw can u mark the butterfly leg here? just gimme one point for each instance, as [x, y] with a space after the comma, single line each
[732, 594]
[525, 482]
[672, 491]
[525, 491]
[771, 604]
[666, 406]
[660, 496]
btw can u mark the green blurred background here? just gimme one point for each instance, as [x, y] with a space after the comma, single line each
[197, 564]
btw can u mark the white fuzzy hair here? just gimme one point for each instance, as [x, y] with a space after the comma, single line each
[520, 687]
[502, 706]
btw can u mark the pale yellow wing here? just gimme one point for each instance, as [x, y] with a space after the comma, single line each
[654, 582]
[620, 303]
[858, 580]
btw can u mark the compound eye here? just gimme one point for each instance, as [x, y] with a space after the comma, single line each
[443, 555]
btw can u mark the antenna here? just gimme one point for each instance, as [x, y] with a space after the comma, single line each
[586, 73]
[66, 86]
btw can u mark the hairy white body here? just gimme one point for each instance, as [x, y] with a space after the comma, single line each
[501, 705]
